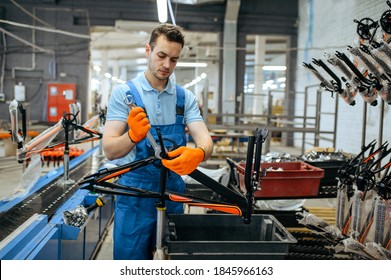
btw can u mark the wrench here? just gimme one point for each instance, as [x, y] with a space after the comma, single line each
[129, 100]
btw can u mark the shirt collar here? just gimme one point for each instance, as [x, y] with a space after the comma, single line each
[147, 87]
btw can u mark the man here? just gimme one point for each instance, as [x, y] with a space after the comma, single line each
[160, 103]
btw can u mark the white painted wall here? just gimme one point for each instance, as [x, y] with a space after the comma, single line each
[333, 29]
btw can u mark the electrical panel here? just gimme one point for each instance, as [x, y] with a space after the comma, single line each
[59, 98]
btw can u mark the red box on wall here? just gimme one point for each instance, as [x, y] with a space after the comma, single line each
[297, 179]
[59, 98]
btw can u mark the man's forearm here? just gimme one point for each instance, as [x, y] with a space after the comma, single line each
[207, 146]
[117, 147]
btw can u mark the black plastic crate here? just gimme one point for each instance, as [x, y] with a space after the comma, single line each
[222, 236]
[286, 217]
[330, 168]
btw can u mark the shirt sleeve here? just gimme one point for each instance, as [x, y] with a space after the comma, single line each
[192, 110]
[117, 110]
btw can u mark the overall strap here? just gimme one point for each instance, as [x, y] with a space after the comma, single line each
[134, 92]
[180, 104]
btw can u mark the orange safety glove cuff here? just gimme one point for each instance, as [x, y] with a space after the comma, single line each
[138, 124]
[184, 160]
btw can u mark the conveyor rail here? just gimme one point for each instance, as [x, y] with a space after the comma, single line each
[46, 200]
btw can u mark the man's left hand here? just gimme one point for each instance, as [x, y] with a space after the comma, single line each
[184, 160]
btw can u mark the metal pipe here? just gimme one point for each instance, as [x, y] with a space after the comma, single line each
[66, 165]
[268, 122]
[66, 155]
[305, 114]
[305, 118]
[160, 228]
[381, 124]
[317, 120]
[335, 122]
[364, 124]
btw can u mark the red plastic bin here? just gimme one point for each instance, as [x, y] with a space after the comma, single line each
[298, 179]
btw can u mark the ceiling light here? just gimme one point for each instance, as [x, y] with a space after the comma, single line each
[108, 75]
[162, 10]
[192, 64]
[274, 68]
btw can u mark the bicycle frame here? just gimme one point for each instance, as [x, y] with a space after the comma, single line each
[41, 142]
[238, 204]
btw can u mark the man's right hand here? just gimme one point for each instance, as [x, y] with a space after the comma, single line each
[138, 124]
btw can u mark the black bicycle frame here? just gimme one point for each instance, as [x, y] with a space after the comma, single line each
[238, 204]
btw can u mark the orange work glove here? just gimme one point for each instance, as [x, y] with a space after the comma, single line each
[138, 124]
[184, 160]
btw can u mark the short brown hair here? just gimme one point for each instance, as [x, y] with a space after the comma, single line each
[172, 32]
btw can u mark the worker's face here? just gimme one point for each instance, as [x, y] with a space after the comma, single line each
[163, 57]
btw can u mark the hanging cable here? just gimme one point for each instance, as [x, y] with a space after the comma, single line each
[46, 29]
[25, 42]
[30, 14]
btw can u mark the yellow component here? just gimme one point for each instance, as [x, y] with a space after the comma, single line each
[99, 202]
[112, 180]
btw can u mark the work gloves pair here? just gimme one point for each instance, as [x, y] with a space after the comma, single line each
[183, 160]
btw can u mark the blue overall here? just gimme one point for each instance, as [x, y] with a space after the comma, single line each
[135, 218]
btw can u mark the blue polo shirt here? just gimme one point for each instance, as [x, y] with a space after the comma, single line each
[160, 107]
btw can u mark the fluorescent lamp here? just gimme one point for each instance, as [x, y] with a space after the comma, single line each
[192, 64]
[97, 68]
[274, 68]
[162, 10]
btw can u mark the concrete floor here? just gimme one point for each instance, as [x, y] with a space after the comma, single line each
[11, 173]
[106, 250]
